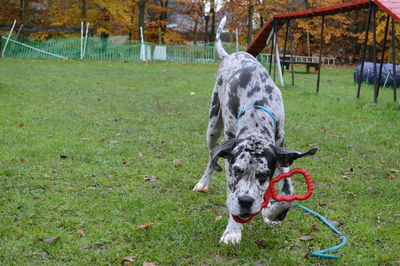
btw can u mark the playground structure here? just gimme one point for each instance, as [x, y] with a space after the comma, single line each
[269, 34]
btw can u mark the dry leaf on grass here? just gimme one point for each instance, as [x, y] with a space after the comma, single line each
[143, 226]
[114, 141]
[125, 162]
[63, 156]
[177, 162]
[20, 124]
[80, 233]
[217, 215]
[389, 176]
[130, 258]
[50, 240]
[315, 228]
[306, 238]
[335, 223]
[140, 155]
[149, 264]
[261, 243]
[22, 160]
[151, 178]
[202, 190]
[393, 170]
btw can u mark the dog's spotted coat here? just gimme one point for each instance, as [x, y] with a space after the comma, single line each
[254, 146]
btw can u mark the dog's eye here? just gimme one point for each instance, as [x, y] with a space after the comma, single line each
[237, 172]
[262, 176]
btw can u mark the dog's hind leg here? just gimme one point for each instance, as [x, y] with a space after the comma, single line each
[214, 130]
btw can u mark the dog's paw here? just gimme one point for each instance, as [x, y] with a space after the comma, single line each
[271, 223]
[231, 237]
[201, 187]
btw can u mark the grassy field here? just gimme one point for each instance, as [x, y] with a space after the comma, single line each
[104, 147]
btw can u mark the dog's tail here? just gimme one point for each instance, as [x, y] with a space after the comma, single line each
[218, 44]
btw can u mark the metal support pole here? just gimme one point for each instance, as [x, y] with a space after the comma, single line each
[394, 61]
[320, 51]
[272, 49]
[383, 53]
[278, 62]
[284, 48]
[275, 50]
[365, 48]
[291, 51]
[374, 52]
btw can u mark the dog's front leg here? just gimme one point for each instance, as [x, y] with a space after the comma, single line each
[273, 214]
[233, 232]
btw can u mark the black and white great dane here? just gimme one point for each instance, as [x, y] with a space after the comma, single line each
[248, 107]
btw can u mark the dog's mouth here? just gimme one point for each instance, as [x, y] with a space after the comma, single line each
[244, 216]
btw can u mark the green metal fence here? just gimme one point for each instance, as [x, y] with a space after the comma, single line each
[107, 49]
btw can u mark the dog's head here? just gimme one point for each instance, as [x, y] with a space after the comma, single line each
[252, 162]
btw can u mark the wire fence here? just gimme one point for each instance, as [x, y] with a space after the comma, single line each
[114, 50]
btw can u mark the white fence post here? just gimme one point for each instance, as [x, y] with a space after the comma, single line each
[9, 36]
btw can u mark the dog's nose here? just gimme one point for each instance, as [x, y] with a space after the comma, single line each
[245, 201]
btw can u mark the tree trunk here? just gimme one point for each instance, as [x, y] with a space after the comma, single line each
[250, 23]
[84, 9]
[207, 18]
[25, 4]
[212, 12]
[141, 5]
[196, 22]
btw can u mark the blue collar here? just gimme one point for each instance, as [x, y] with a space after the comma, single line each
[243, 110]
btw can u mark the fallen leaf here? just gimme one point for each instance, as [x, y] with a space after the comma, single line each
[149, 264]
[102, 139]
[35, 198]
[202, 190]
[50, 135]
[85, 139]
[335, 136]
[50, 240]
[140, 155]
[63, 156]
[177, 162]
[389, 176]
[261, 243]
[192, 93]
[323, 128]
[22, 160]
[335, 223]
[306, 238]
[114, 141]
[80, 233]
[217, 215]
[151, 178]
[352, 117]
[125, 162]
[346, 177]
[92, 187]
[20, 124]
[393, 170]
[143, 226]
[130, 258]
[110, 175]
[315, 228]
[118, 134]
[163, 143]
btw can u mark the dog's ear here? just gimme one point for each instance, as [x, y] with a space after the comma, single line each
[224, 151]
[286, 157]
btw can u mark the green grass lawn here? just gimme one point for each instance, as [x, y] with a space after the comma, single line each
[79, 140]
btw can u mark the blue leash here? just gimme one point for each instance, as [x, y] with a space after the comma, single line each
[321, 253]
